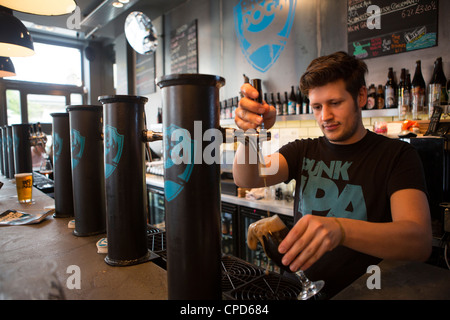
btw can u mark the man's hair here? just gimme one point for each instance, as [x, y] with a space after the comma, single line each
[331, 68]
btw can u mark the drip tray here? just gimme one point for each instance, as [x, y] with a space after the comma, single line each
[241, 280]
[244, 281]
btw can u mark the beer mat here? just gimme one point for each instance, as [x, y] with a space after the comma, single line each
[16, 218]
[71, 224]
[102, 245]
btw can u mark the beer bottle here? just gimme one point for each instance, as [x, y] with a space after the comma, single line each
[292, 103]
[390, 91]
[405, 104]
[380, 97]
[371, 97]
[438, 77]
[299, 102]
[272, 100]
[418, 93]
[279, 105]
[400, 87]
[285, 104]
[305, 104]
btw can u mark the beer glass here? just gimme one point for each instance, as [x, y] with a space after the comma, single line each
[24, 185]
[271, 241]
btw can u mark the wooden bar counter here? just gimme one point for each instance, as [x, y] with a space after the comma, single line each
[30, 252]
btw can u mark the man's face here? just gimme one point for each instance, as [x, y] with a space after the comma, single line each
[337, 113]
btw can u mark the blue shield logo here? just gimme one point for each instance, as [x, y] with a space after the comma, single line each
[57, 145]
[113, 149]
[263, 21]
[179, 156]
[77, 144]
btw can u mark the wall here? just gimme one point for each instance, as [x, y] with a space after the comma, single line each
[319, 28]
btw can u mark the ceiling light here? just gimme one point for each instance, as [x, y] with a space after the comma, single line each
[124, 1]
[41, 7]
[6, 67]
[117, 4]
[15, 40]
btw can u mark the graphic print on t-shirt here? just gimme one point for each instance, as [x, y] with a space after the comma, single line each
[319, 191]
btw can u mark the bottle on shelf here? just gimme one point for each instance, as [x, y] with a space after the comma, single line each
[400, 87]
[390, 90]
[371, 97]
[279, 105]
[305, 104]
[298, 108]
[438, 82]
[418, 94]
[292, 103]
[285, 104]
[380, 97]
[404, 107]
[272, 100]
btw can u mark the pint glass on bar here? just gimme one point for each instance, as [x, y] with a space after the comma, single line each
[24, 185]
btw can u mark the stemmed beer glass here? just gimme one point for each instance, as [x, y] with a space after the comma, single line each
[272, 239]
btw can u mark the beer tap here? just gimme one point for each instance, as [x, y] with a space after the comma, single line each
[37, 136]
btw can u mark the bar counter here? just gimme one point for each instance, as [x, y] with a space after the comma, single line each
[52, 242]
[38, 246]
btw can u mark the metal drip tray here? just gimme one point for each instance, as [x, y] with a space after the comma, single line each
[241, 280]
[244, 281]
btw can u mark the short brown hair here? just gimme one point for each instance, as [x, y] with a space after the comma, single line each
[336, 66]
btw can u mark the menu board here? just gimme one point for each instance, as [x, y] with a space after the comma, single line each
[145, 74]
[183, 49]
[382, 27]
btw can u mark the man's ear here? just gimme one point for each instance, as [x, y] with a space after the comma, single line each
[362, 96]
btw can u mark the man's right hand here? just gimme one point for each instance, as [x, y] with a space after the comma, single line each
[251, 114]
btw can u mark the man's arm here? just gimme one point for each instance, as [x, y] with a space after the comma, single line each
[407, 237]
[248, 175]
[245, 168]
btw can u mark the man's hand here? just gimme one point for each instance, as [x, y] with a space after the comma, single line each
[308, 240]
[251, 114]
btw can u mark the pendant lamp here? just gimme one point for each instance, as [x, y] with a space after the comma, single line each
[15, 40]
[41, 7]
[6, 67]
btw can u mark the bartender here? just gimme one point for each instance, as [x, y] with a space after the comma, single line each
[360, 197]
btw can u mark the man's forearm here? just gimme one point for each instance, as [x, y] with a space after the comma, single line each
[245, 172]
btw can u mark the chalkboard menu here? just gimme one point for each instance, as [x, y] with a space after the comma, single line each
[183, 49]
[145, 74]
[383, 27]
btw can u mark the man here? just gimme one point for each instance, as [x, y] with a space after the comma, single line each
[360, 197]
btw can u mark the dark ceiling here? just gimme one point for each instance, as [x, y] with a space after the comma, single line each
[99, 19]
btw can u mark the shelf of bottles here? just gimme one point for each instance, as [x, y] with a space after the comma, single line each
[409, 99]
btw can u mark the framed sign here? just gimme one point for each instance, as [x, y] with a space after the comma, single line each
[183, 49]
[145, 74]
[382, 27]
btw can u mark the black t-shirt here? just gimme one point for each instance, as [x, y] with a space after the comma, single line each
[350, 181]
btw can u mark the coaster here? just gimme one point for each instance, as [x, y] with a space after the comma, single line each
[102, 245]
[71, 224]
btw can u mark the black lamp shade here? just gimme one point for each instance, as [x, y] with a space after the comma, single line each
[15, 40]
[41, 7]
[6, 67]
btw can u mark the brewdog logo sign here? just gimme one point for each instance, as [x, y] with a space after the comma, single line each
[263, 28]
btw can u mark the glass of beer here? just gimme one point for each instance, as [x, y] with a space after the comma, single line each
[270, 232]
[24, 185]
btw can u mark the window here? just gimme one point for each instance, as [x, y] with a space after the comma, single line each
[50, 64]
[40, 106]
[13, 107]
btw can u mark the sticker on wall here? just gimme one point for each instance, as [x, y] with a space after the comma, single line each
[113, 149]
[263, 28]
[179, 157]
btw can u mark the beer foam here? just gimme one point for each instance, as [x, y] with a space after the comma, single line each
[262, 227]
[21, 175]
